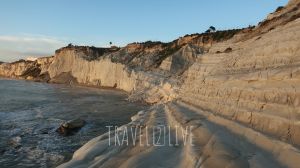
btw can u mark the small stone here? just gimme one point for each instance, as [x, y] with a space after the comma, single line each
[141, 113]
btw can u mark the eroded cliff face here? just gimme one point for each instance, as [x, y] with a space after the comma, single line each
[239, 89]
[135, 67]
[241, 95]
[15, 69]
[256, 84]
[71, 66]
[100, 72]
[138, 68]
[31, 70]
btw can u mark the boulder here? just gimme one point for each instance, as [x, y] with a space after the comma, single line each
[70, 127]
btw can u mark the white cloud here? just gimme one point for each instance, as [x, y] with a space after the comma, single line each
[19, 47]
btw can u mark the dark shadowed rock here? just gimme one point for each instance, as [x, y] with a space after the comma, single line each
[65, 77]
[70, 127]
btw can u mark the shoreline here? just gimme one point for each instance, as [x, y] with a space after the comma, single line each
[237, 89]
[139, 101]
[83, 87]
[76, 85]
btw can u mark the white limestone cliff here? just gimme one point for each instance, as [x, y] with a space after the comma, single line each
[240, 94]
[243, 99]
[100, 72]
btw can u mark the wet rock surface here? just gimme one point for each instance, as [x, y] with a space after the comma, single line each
[70, 127]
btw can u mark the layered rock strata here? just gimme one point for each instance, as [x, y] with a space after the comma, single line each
[238, 90]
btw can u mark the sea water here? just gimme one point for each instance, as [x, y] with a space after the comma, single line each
[30, 112]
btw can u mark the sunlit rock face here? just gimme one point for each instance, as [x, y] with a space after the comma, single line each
[31, 59]
[239, 89]
[293, 2]
[15, 69]
[24, 69]
[242, 96]
[256, 84]
[99, 72]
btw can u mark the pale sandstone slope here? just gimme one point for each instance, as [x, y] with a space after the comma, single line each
[242, 97]
[256, 84]
[241, 94]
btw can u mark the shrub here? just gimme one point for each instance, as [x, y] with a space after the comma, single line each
[279, 8]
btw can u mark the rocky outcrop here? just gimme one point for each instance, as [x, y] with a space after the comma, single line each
[15, 69]
[240, 95]
[256, 84]
[134, 67]
[238, 89]
[180, 61]
[280, 17]
[31, 70]
[100, 72]
[70, 127]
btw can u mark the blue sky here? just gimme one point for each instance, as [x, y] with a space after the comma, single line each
[38, 27]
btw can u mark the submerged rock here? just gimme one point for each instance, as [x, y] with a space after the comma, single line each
[70, 127]
[15, 142]
[44, 130]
